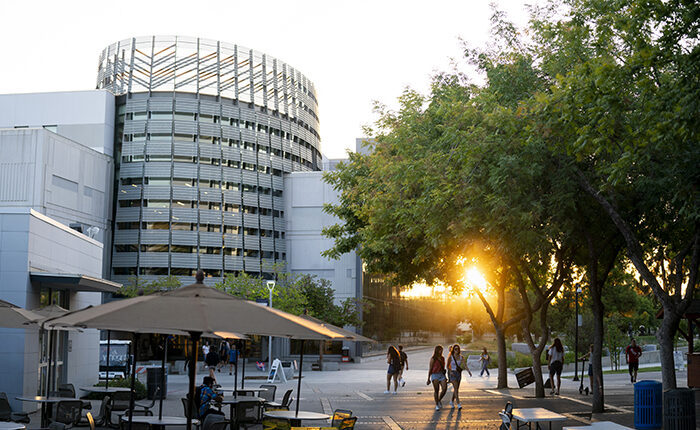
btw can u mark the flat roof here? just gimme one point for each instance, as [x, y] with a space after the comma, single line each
[74, 282]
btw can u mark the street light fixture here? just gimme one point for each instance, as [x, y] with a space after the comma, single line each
[578, 323]
[270, 287]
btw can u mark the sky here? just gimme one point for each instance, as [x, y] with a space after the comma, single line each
[355, 52]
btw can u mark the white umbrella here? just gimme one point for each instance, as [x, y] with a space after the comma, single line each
[196, 309]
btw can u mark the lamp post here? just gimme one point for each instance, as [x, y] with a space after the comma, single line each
[578, 323]
[270, 287]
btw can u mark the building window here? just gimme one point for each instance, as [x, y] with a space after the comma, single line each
[157, 226]
[129, 203]
[182, 249]
[126, 248]
[154, 248]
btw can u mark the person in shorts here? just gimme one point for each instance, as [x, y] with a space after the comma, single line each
[404, 364]
[436, 375]
[555, 359]
[212, 360]
[393, 358]
[232, 358]
[632, 353]
[456, 363]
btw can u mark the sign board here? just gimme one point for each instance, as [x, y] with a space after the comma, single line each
[261, 301]
[276, 370]
[525, 377]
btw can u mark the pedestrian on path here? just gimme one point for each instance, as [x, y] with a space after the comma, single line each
[436, 375]
[232, 358]
[632, 354]
[555, 359]
[456, 363]
[393, 358]
[212, 360]
[588, 357]
[484, 359]
[404, 363]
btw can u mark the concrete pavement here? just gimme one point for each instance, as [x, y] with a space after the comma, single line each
[360, 388]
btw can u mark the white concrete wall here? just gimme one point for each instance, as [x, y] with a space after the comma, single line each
[86, 117]
[305, 195]
[57, 177]
[30, 241]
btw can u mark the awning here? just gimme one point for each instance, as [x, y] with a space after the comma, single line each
[74, 282]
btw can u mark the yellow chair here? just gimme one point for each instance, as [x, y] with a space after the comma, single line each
[275, 424]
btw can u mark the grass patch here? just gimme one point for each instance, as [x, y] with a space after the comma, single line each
[624, 371]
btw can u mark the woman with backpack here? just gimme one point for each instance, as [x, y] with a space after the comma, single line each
[436, 375]
[456, 362]
[393, 359]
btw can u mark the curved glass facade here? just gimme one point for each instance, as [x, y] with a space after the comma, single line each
[205, 132]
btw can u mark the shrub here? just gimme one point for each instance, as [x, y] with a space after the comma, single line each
[139, 388]
[464, 339]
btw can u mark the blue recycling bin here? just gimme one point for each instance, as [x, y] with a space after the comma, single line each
[648, 405]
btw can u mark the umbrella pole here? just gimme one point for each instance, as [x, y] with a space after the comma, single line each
[162, 377]
[133, 380]
[235, 373]
[195, 335]
[243, 370]
[301, 365]
[109, 338]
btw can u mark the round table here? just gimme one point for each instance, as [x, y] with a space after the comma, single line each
[11, 426]
[296, 419]
[105, 390]
[244, 391]
[44, 401]
[160, 422]
[233, 401]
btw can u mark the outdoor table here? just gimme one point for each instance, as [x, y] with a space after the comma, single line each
[44, 401]
[105, 390]
[233, 401]
[600, 425]
[244, 391]
[536, 415]
[11, 426]
[160, 423]
[294, 418]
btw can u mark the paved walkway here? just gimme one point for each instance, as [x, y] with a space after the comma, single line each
[360, 388]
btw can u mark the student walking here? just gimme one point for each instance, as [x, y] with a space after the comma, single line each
[485, 359]
[404, 363]
[555, 359]
[436, 375]
[232, 358]
[456, 362]
[632, 354]
[393, 359]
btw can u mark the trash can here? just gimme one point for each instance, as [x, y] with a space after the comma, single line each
[345, 355]
[679, 409]
[154, 379]
[647, 405]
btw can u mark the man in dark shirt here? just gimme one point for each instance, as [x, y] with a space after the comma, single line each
[212, 360]
[632, 353]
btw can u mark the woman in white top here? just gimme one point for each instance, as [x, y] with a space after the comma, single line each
[555, 358]
[456, 363]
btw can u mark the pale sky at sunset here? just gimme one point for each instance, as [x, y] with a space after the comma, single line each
[354, 51]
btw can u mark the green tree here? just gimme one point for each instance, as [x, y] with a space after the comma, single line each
[625, 77]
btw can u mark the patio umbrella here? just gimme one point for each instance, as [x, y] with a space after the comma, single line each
[12, 316]
[196, 309]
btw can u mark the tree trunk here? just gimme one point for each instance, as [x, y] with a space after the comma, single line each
[321, 345]
[502, 361]
[665, 336]
[537, 370]
[598, 402]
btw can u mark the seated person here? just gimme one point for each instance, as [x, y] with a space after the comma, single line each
[206, 396]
